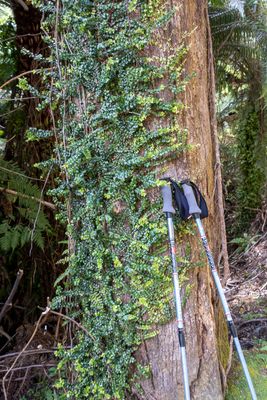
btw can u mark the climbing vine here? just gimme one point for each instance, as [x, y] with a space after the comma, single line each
[116, 130]
[251, 181]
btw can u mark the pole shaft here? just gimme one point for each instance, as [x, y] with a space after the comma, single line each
[225, 306]
[178, 306]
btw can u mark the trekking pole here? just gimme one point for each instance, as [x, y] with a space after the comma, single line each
[195, 211]
[169, 211]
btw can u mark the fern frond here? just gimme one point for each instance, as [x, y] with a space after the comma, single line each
[25, 236]
[28, 213]
[38, 239]
[239, 37]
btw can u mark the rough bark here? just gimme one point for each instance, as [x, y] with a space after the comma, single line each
[28, 37]
[200, 164]
[218, 174]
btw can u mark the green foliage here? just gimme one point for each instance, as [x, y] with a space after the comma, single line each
[243, 161]
[251, 185]
[244, 242]
[256, 360]
[8, 51]
[8, 68]
[21, 220]
[41, 391]
[110, 154]
[239, 41]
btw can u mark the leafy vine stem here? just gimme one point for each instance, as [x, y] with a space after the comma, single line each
[114, 133]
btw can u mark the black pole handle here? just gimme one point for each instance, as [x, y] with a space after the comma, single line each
[191, 199]
[167, 199]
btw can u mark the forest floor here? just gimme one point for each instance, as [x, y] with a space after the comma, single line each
[246, 292]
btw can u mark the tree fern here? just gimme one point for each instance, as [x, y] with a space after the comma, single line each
[239, 40]
[240, 52]
[21, 218]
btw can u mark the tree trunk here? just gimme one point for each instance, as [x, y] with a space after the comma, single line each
[28, 37]
[205, 360]
[200, 164]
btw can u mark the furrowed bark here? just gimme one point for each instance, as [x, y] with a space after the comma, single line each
[201, 164]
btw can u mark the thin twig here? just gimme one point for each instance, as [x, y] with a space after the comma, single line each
[21, 36]
[25, 196]
[30, 366]
[263, 286]
[22, 383]
[256, 243]
[235, 287]
[252, 321]
[56, 38]
[225, 41]
[32, 71]
[8, 113]
[44, 313]
[80, 326]
[28, 353]
[19, 99]
[10, 171]
[3, 333]
[8, 302]
[7, 343]
[23, 5]
[15, 306]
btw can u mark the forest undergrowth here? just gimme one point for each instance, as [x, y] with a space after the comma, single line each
[28, 365]
[246, 292]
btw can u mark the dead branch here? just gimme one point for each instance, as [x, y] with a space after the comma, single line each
[252, 321]
[7, 343]
[80, 326]
[10, 369]
[4, 333]
[22, 4]
[25, 196]
[28, 353]
[22, 367]
[8, 302]
[15, 306]
[23, 382]
[33, 71]
[10, 171]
